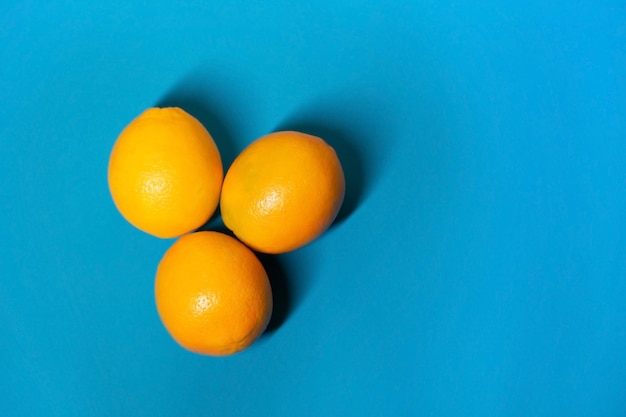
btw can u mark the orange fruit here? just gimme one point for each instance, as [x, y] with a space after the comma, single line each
[165, 172]
[212, 294]
[282, 191]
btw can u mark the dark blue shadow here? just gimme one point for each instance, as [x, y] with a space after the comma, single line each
[282, 293]
[206, 95]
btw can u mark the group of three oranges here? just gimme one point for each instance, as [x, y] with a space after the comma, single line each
[166, 178]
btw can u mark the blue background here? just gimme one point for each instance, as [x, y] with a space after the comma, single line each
[478, 266]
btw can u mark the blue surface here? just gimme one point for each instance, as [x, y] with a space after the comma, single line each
[478, 267]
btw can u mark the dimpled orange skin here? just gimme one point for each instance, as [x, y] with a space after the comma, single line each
[212, 294]
[282, 192]
[165, 173]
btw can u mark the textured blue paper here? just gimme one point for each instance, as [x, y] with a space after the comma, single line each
[478, 266]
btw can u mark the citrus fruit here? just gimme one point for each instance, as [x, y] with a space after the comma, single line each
[282, 191]
[165, 172]
[212, 294]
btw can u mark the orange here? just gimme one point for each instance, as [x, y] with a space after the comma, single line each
[165, 173]
[212, 294]
[282, 191]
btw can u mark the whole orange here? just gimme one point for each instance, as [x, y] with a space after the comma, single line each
[212, 294]
[165, 172]
[282, 191]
